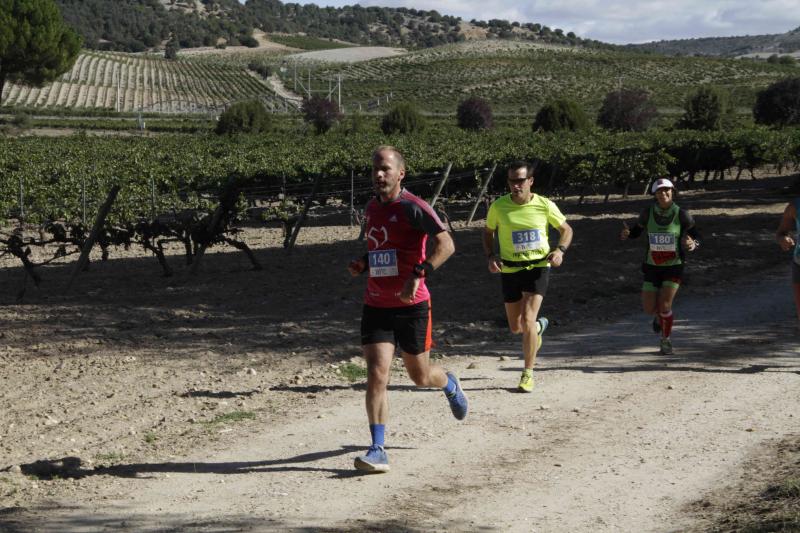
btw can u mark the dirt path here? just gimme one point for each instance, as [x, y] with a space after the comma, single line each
[615, 438]
[211, 403]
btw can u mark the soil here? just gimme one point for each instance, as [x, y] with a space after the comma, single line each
[219, 402]
[348, 55]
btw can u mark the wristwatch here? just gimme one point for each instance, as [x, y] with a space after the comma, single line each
[423, 270]
[562, 248]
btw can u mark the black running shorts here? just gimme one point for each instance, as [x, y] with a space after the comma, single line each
[409, 327]
[531, 280]
[657, 275]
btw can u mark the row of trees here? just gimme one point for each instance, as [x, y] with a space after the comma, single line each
[708, 108]
[626, 109]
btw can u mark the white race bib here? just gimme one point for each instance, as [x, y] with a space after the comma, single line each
[662, 242]
[526, 240]
[383, 263]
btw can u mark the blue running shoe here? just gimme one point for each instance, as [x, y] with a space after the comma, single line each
[374, 461]
[457, 399]
[542, 323]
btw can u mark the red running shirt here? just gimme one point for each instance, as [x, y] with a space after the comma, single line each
[396, 233]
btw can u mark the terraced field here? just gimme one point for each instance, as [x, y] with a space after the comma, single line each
[127, 82]
[516, 75]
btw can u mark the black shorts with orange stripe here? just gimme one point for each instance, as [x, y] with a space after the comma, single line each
[409, 326]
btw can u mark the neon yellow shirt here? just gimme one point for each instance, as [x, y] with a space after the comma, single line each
[522, 229]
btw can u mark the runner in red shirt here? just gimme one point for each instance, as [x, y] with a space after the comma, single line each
[397, 303]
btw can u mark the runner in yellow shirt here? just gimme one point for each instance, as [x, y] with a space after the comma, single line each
[517, 224]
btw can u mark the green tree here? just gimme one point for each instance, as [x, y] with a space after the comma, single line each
[35, 44]
[779, 104]
[171, 49]
[244, 117]
[402, 118]
[706, 109]
[627, 110]
[561, 114]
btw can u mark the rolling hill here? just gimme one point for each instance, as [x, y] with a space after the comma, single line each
[781, 43]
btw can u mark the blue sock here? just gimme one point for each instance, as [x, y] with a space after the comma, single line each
[450, 388]
[378, 434]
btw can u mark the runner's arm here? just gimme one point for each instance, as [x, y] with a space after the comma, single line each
[358, 266]
[444, 249]
[784, 234]
[691, 236]
[636, 230]
[495, 265]
[556, 257]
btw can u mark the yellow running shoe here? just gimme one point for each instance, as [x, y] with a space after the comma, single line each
[526, 381]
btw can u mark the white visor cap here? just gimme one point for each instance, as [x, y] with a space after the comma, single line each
[660, 184]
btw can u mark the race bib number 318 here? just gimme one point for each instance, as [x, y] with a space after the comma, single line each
[383, 263]
[526, 240]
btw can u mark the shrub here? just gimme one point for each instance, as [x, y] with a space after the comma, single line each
[402, 118]
[562, 114]
[248, 41]
[706, 109]
[779, 104]
[171, 50]
[321, 113]
[475, 114]
[244, 117]
[264, 70]
[627, 110]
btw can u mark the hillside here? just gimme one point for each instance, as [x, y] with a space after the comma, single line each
[781, 43]
[519, 77]
[128, 82]
[138, 25]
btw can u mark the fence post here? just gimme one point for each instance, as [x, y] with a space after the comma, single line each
[83, 200]
[352, 197]
[484, 187]
[21, 200]
[152, 197]
[440, 186]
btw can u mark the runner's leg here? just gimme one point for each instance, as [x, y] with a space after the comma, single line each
[650, 302]
[422, 372]
[666, 295]
[531, 303]
[379, 361]
[514, 316]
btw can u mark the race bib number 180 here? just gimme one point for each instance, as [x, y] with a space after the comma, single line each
[382, 263]
[662, 242]
[526, 240]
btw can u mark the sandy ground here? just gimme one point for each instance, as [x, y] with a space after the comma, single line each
[212, 402]
[349, 55]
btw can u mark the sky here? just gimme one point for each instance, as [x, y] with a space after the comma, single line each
[620, 21]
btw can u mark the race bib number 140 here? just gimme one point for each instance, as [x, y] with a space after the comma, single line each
[383, 263]
[526, 240]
